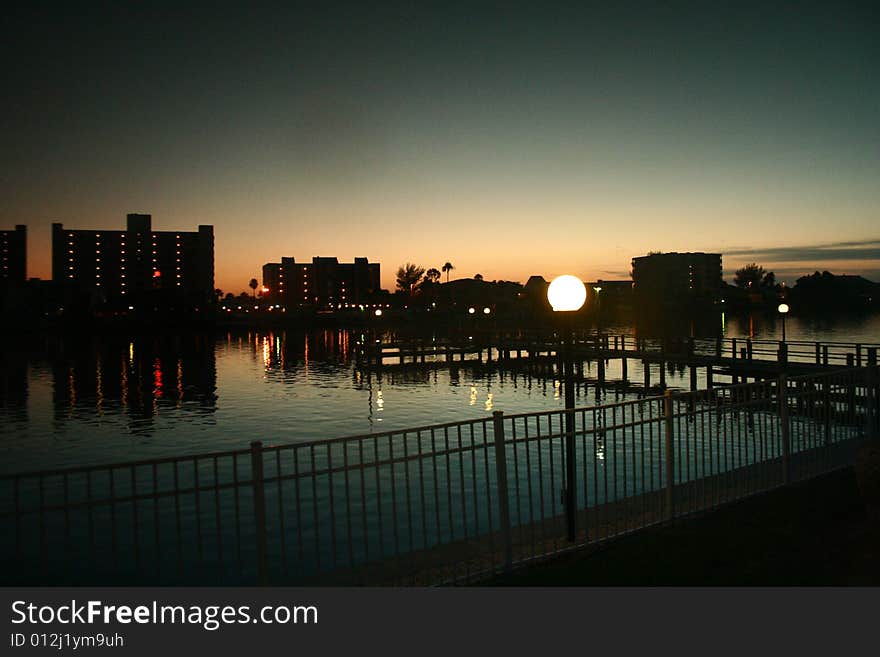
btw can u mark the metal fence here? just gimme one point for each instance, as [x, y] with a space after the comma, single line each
[439, 504]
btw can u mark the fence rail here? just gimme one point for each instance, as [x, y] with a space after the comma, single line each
[437, 504]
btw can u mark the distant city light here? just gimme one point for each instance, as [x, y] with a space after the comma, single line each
[486, 311]
[378, 312]
[471, 310]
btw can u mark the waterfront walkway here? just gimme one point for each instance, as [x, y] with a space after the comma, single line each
[815, 533]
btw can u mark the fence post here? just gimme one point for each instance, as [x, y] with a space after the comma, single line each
[501, 476]
[782, 394]
[873, 392]
[259, 511]
[670, 455]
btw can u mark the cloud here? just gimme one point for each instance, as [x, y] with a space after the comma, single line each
[615, 273]
[859, 250]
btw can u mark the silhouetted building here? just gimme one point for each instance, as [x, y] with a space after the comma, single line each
[323, 282]
[13, 255]
[669, 279]
[127, 266]
[610, 294]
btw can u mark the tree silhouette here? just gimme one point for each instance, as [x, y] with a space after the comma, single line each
[408, 277]
[253, 285]
[751, 275]
[218, 294]
[478, 277]
[432, 275]
[447, 267]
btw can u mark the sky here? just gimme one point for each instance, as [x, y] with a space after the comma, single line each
[509, 139]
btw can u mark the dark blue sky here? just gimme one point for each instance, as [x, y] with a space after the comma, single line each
[508, 138]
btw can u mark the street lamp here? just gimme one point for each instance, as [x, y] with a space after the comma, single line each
[783, 310]
[566, 295]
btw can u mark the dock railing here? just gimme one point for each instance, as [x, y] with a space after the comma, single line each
[521, 343]
[439, 504]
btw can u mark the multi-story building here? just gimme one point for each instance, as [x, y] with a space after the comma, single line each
[13, 255]
[323, 282]
[139, 262]
[676, 278]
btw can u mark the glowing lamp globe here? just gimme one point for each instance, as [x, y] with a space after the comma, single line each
[566, 293]
[783, 308]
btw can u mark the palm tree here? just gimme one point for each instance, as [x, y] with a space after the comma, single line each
[432, 275]
[253, 285]
[408, 277]
[447, 267]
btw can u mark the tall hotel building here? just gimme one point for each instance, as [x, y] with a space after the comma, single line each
[139, 262]
[323, 282]
[670, 279]
[13, 256]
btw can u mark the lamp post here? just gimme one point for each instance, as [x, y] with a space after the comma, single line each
[566, 295]
[783, 310]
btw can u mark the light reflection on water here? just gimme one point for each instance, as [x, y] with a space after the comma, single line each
[76, 401]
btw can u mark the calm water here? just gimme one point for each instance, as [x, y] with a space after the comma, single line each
[76, 401]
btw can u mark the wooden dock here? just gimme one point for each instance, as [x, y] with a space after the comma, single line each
[739, 359]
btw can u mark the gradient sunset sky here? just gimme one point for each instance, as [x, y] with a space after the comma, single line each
[510, 139]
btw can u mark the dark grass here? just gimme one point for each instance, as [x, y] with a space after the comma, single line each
[816, 533]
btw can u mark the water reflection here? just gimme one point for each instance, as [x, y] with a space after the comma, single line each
[77, 400]
[137, 379]
[13, 386]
